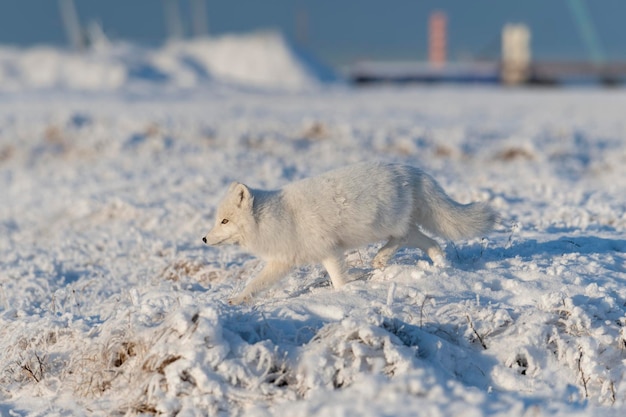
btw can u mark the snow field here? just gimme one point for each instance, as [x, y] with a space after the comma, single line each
[111, 304]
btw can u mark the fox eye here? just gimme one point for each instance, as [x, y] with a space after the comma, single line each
[224, 221]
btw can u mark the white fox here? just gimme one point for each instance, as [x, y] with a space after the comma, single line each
[317, 219]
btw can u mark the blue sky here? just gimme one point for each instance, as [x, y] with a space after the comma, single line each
[340, 32]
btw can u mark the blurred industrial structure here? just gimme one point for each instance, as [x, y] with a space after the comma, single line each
[516, 59]
[437, 38]
[515, 66]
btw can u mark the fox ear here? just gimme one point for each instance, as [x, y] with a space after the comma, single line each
[243, 197]
[233, 185]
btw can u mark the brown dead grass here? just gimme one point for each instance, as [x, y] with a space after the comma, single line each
[189, 268]
[315, 131]
[514, 154]
[442, 151]
[6, 153]
[181, 268]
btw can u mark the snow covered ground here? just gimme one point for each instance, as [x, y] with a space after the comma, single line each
[110, 304]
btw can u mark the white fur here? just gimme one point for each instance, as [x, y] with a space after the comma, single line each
[317, 219]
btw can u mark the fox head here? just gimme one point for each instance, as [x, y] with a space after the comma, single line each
[234, 214]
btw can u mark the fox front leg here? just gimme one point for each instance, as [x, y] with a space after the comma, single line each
[271, 273]
[336, 268]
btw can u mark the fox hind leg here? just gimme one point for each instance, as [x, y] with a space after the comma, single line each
[415, 239]
[386, 252]
[419, 240]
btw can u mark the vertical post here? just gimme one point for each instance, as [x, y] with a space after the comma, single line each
[587, 30]
[173, 21]
[199, 18]
[71, 24]
[437, 39]
[302, 26]
[515, 54]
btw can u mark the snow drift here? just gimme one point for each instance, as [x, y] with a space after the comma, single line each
[262, 60]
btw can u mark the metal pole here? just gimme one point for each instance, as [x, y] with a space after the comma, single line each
[587, 30]
[173, 21]
[199, 19]
[71, 23]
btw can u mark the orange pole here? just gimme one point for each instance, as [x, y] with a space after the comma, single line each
[437, 38]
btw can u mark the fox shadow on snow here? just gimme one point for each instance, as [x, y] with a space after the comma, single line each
[470, 257]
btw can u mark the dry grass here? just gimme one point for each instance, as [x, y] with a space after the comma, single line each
[514, 154]
[315, 131]
[186, 268]
[6, 153]
[54, 135]
[442, 151]
[181, 268]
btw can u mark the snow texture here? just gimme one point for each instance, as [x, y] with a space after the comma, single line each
[110, 304]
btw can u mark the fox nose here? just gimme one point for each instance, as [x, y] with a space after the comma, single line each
[204, 239]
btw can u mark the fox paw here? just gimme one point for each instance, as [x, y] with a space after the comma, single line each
[437, 256]
[379, 263]
[439, 260]
[240, 299]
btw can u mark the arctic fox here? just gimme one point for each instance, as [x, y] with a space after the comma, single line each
[317, 219]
